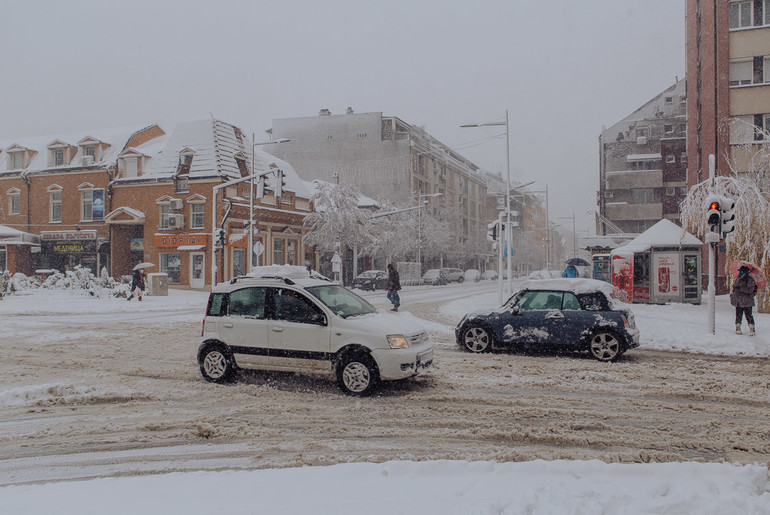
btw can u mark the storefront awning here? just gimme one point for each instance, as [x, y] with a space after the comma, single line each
[191, 247]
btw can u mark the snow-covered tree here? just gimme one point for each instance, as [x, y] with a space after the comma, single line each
[337, 218]
[749, 240]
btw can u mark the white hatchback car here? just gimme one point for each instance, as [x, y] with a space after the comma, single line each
[308, 325]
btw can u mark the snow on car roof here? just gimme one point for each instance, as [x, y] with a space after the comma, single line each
[574, 285]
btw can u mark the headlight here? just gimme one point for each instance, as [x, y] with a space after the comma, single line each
[397, 341]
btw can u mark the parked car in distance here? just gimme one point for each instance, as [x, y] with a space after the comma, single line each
[545, 274]
[371, 280]
[307, 325]
[454, 275]
[489, 275]
[435, 276]
[472, 275]
[578, 314]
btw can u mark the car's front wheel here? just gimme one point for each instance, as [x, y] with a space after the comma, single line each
[357, 374]
[461, 279]
[216, 364]
[605, 346]
[476, 339]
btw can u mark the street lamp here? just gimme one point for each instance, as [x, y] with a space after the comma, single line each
[507, 239]
[252, 254]
[419, 223]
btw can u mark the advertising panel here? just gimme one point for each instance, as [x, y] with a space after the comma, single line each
[623, 276]
[666, 276]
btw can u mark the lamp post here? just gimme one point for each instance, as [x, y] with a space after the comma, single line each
[251, 196]
[574, 233]
[507, 238]
[419, 224]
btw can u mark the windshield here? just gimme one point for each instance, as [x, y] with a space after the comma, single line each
[341, 301]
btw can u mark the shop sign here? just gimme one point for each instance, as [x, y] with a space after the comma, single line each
[68, 235]
[177, 240]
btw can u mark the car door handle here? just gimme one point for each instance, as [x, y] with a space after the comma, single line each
[555, 315]
[277, 329]
[227, 324]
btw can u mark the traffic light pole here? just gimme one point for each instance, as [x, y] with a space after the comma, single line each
[500, 259]
[712, 239]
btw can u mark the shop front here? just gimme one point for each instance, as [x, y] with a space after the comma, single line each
[18, 251]
[64, 250]
[182, 257]
[661, 265]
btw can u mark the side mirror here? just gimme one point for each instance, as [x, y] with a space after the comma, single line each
[516, 310]
[318, 318]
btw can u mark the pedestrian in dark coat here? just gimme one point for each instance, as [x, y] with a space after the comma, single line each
[742, 297]
[394, 284]
[137, 284]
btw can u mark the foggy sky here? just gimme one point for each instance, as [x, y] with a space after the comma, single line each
[563, 69]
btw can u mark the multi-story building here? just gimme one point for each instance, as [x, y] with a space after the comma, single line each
[728, 70]
[391, 161]
[643, 164]
[114, 198]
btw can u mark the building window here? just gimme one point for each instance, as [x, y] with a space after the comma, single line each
[741, 72]
[90, 150]
[683, 157]
[58, 157]
[239, 262]
[669, 100]
[131, 165]
[643, 132]
[16, 160]
[165, 211]
[683, 128]
[668, 128]
[181, 184]
[670, 192]
[14, 201]
[643, 196]
[169, 264]
[55, 208]
[91, 204]
[766, 67]
[277, 252]
[197, 217]
[291, 252]
[740, 14]
[670, 159]
[766, 20]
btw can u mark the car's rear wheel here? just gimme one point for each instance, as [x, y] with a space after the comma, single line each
[357, 374]
[216, 363]
[476, 339]
[461, 279]
[605, 346]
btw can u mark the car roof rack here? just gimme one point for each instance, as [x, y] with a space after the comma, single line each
[253, 277]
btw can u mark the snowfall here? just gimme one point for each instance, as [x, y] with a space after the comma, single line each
[424, 487]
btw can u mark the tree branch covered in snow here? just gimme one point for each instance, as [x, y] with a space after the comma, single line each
[337, 218]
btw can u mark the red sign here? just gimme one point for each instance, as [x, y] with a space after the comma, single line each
[177, 240]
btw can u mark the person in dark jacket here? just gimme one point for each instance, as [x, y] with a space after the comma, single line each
[137, 283]
[394, 284]
[742, 297]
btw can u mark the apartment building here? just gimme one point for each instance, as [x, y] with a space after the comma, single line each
[113, 198]
[391, 161]
[728, 70]
[643, 164]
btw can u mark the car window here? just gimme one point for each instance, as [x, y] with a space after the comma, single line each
[533, 300]
[595, 301]
[216, 307]
[292, 306]
[248, 302]
[570, 301]
[341, 301]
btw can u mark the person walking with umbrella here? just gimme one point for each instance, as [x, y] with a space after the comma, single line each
[137, 280]
[742, 297]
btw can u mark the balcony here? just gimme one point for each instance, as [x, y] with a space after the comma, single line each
[623, 211]
[624, 180]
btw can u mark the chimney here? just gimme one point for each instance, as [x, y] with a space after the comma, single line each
[349, 110]
[324, 112]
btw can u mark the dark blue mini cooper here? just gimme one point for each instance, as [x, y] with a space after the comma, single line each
[579, 314]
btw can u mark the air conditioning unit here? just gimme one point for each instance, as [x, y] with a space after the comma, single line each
[641, 140]
[87, 160]
[608, 194]
[176, 204]
[175, 221]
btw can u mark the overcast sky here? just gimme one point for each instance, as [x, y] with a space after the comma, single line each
[562, 68]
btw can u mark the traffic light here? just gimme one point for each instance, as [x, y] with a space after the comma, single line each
[728, 216]
[714, 213]
[261, 187]
[492, 231]
[279, 183]
[219, 238]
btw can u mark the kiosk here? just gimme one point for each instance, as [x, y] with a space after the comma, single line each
[660, 265]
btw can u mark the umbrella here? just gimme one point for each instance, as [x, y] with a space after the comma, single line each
[577, 262]
[754, 271]
[143, 265]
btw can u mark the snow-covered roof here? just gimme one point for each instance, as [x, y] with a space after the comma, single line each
[578, 285]
[114, 140]
[663, 234]
[9, 235]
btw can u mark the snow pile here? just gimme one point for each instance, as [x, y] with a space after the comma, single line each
[80, 278]
[432, 487]
[61, 393]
